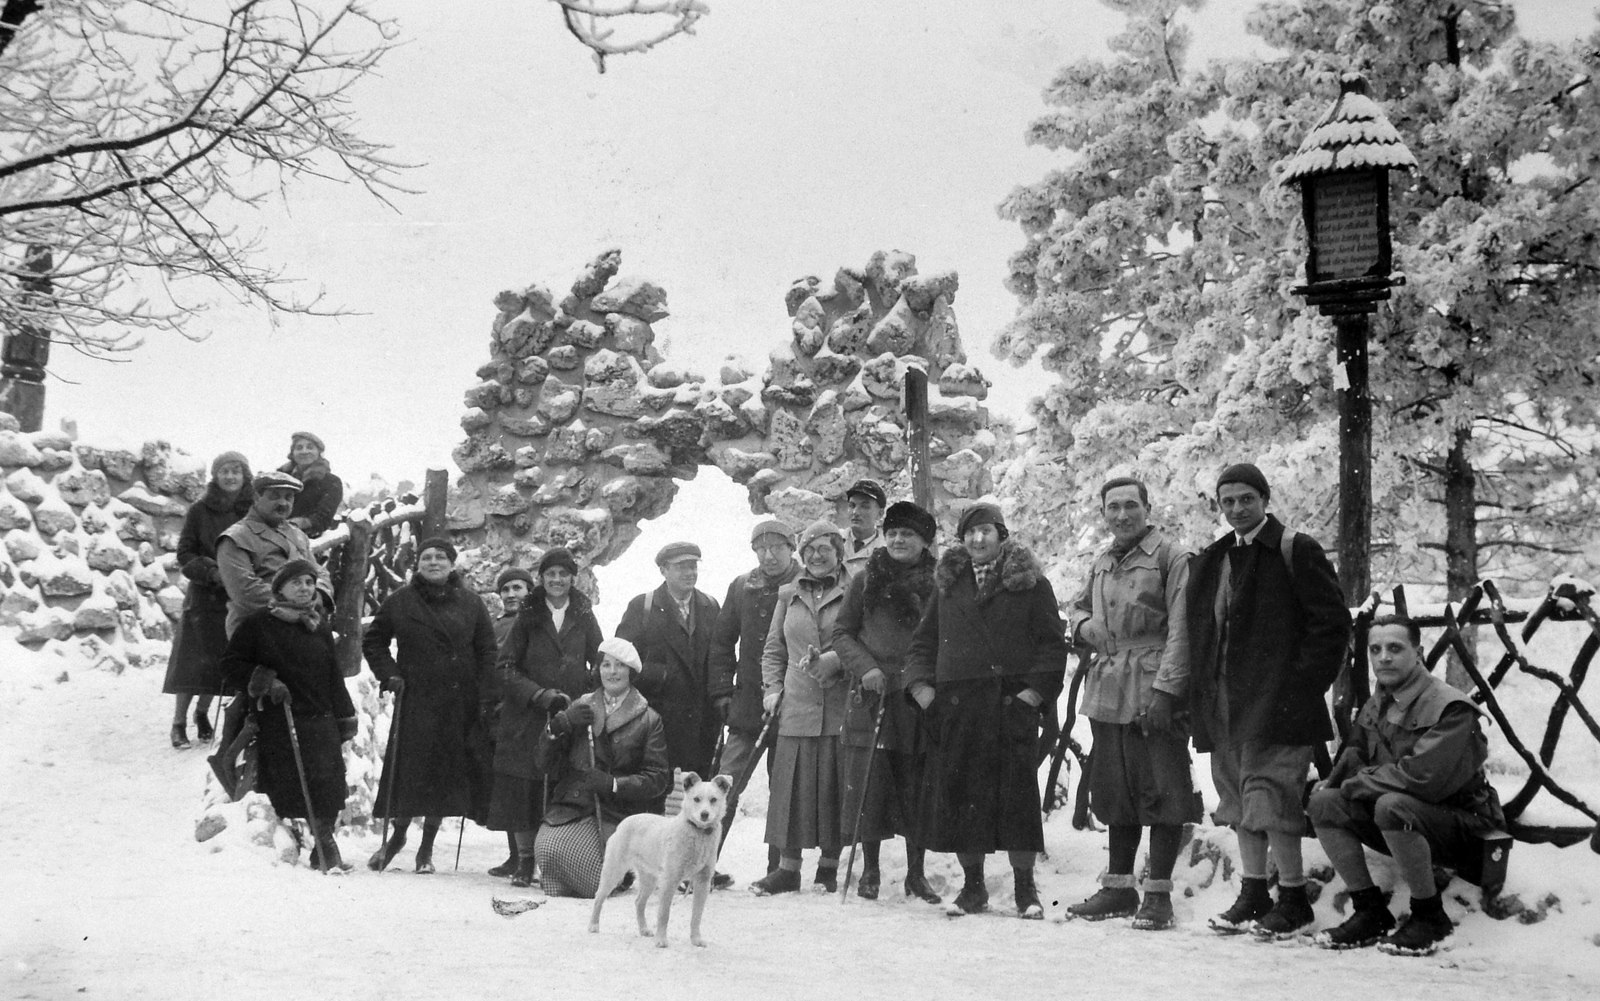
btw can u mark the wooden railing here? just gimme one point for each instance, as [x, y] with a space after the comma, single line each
[370, 554]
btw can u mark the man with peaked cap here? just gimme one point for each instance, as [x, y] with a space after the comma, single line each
[253, 548]
[736, 646]
[672, 628]
[866, 501]
[1268, 631]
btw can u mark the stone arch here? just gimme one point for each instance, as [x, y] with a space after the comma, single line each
[580, 428]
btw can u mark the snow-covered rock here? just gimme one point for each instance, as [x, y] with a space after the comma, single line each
[96, 612]
[63, 577]
[14, 514]
[16, 450]
[25, 485]
[22, 546]
[52, 515]
[44, 624]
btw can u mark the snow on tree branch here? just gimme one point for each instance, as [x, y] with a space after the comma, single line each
[591, 23]
[134, 132]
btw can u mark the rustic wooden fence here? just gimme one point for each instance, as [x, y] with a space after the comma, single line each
[369, 555]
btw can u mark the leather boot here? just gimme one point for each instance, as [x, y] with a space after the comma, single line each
[917, 880]
[974, 896]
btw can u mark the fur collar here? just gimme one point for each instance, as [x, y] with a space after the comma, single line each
[896, 588]
[310, 474]
[218, 502]
[1017, 569]
[435, 594]
[577, 605]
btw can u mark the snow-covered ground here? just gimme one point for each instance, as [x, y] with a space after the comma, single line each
[107, 894]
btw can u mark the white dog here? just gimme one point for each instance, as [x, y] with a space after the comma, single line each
[664, 851]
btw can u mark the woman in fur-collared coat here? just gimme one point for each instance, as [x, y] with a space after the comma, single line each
[986, 662]
[882, 607]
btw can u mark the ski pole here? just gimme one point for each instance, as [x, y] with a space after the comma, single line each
[391, 762]
[305, 790]
[461, 832]
[594, 763]
[861, 804]
[750, 766]
[716, 756]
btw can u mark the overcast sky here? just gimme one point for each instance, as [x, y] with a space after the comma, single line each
[781, 140]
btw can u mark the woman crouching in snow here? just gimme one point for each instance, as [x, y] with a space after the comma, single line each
[615, 749]
[283, 657]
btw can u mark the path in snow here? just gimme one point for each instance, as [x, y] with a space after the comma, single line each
[106, 894]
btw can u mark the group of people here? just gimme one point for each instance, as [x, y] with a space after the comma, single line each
[900, 694]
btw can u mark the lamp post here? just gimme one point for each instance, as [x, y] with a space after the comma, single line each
[1342, 168]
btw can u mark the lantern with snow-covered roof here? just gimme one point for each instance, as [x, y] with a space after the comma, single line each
[1342, 167]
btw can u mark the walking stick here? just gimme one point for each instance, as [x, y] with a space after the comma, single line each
[743, 778]
[861, 804]
[461, 832]
[594, 763]
[1065, 742]
[305, 790]
[391, 761]
[716, 756]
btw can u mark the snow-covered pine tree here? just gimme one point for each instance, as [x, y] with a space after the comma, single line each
[1156, 276]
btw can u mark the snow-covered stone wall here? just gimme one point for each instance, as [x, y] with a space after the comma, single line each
[89, 538]
[580, 427]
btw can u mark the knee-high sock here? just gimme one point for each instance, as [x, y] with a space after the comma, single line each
[1164, 842]
[1348, 856]
[1286, 852]
[1252, 853]
[1124, 845]
[1415, 859]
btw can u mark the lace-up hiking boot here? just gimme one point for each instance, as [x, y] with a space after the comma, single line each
[1289, 916]
[1155, 913]
[1425, 931]
[1116, 898]
[1253, 902]
[974, 896]
[1027, 895]
[777, 881]
[826, 879]
[867, 886]
[1369, 921]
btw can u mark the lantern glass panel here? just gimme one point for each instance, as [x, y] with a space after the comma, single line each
[1346, 231]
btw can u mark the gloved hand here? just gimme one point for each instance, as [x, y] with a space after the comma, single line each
[1092, 633]
[594, 780]
[1158, 718]
[551, 700]
[348, 728]
[875, 681]
[769, 702]
[575, 716]
[723, 706]
[393, 683]
[264, 683]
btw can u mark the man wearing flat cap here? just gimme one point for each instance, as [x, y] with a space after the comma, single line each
[865, 502]
[1268, 630]
[736, 646]
[256, 546]
[672, 628]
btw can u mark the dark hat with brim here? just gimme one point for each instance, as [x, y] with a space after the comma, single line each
[905, 514]
[510, 574]
[773, 526]
[982, 513]
[272, 479]
[870, 489]
[292, 569]
[674, 551]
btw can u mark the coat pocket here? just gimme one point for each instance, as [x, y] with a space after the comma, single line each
[1019, 721]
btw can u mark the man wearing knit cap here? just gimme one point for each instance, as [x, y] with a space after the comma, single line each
[866, 501]
[1268, 629]
[736, 646]
[672, 628]
[253, 548]
[317, 504]
[1131, 612]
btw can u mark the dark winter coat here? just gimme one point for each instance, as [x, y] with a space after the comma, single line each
[439, 766]
[539, 668]
[743, 622]
[630, 745]
[194, 667]
[318, 500]
[1286, 636]
[676, 674]
[306, 663]
[979, 650]
[882, 607]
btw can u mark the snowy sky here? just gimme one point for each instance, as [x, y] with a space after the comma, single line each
[781, 140]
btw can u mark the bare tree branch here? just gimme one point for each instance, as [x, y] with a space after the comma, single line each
[591, 23]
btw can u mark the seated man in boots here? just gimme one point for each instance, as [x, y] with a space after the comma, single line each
[1410, 784]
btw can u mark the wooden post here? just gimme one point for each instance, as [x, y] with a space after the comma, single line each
[1355, 459]
[435, 490]
[916, 404]
[350, 604]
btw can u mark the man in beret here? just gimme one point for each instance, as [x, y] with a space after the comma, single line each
[251, 550]
[1268, 630]
[1131, 612]
[865, 502]
[672, 628]
[736, 646]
